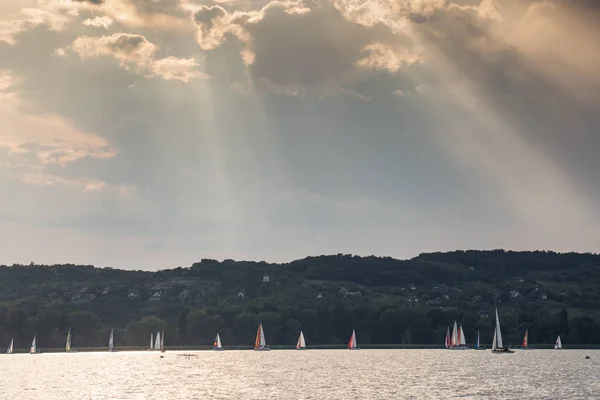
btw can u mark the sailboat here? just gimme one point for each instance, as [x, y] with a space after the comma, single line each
[68, 344]
[462, 343]
[458, 340]
[497, 346]
[111, 341]
[33, 348]
[477, 344]
[447, 341]
[352, 344]
[525, 343]
[301, 344]
[10, 347]
[558, 344]
[151, 341]
[260, 344]
[157, 341]
[217, 346]
[162, 342]
[454, 337]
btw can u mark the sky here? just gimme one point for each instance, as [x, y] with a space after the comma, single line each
[149, 134]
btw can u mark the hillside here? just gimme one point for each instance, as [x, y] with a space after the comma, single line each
[388, 301]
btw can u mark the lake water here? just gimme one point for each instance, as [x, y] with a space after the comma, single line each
[310, 374]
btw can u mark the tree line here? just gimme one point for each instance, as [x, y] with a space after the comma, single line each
[387, 301]
[325, 325]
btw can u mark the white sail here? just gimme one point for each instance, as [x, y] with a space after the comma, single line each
[463, 340]
[68, 344]
[301, 343]
[263, 341]
[10, 347]
[454, 340]
[494, 342]
[162, 341]
[33, 347]
[558, 344]
[498, 332]
[111, 345]
[218, 344]
[157, 342]
[151, 340]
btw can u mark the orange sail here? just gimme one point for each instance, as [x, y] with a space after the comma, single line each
[257, 340]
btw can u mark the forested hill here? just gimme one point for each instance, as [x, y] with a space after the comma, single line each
[387, 301]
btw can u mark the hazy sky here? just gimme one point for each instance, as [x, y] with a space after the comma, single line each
[153, 133]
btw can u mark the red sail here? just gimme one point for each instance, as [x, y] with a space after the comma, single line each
[524, 344]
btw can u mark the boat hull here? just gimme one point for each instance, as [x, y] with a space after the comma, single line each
[507, 351]
[219, 349]
[355, 348]
[262, 349]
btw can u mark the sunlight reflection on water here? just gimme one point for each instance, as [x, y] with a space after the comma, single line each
[309, 374]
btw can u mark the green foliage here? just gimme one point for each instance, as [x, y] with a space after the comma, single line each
[138, 333]
[387, 301]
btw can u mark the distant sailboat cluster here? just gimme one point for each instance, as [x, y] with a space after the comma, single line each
[455, 341]
[458, 340]
[158, 342]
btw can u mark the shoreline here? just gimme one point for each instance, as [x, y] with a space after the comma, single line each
[280, 347]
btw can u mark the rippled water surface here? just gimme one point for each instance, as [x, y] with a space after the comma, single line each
[310, 374]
